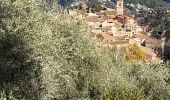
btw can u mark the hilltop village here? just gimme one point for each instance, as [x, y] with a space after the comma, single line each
[116, 29]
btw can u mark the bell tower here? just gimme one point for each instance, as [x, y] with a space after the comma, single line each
[85, 4]
[120, 7]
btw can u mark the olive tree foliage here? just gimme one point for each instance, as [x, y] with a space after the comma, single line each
[79, 67]
[20, 72]
[48, 55]
[153, 79]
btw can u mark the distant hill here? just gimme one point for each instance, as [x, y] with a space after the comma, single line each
[150, 3]
[166, 0]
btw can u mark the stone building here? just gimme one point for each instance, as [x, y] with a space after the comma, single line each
[120, 7]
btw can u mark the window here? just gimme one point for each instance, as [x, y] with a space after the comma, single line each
[120, 4]
[128, 30]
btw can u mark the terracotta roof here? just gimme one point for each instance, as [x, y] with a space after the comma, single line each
[125, 16]
[154, 41]
[103, 18]
[148, 58]
[92, 19]
[116, 42]
[107, 36]
[114, 16]
[113, 40]
[107, 28]
[148, 51]
[99, 13]
[96, 19]
[120, 16]
[120, 42]
[109, 17]
[118, 23]
[139, 36]
[128, 17]
[124, 37]
[110, 12]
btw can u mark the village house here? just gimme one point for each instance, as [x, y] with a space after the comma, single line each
[150, 56]
[114, 28]
[156, 44]
[93, 21]
[114, 41]
[96, 30]
[138, 39]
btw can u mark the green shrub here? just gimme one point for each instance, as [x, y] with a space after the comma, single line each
[97, 8]
[48, 55]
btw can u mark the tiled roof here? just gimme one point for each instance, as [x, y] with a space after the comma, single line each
[139, 36]
[124, 37]
[108, 13]
[103, 18]
[148, 58]
[148, 51]
[154, 41]
[125, 16]
[114, 40]
[99, 13]
[96, 19]
[118, 23]
[92, 19]
[107, 36]
[128, 17]
[112, 17]
[120, 16]
[107, 28]
[120, 42]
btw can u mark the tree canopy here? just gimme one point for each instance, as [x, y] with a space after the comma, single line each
[48, 55]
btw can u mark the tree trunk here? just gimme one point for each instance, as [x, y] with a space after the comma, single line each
[7, 94]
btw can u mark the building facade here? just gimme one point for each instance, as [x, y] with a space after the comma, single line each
[120, 7]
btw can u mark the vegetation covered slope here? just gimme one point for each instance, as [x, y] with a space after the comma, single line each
[48, 55]
[148, 3]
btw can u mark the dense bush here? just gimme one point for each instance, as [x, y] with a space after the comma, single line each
[134, 52]
[151, 78]
[97, 7]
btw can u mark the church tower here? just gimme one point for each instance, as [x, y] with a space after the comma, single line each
[120, 7]
[85, 4]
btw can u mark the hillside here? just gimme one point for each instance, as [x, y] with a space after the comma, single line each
[166, 0]
[49, 55]
[149, 3]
